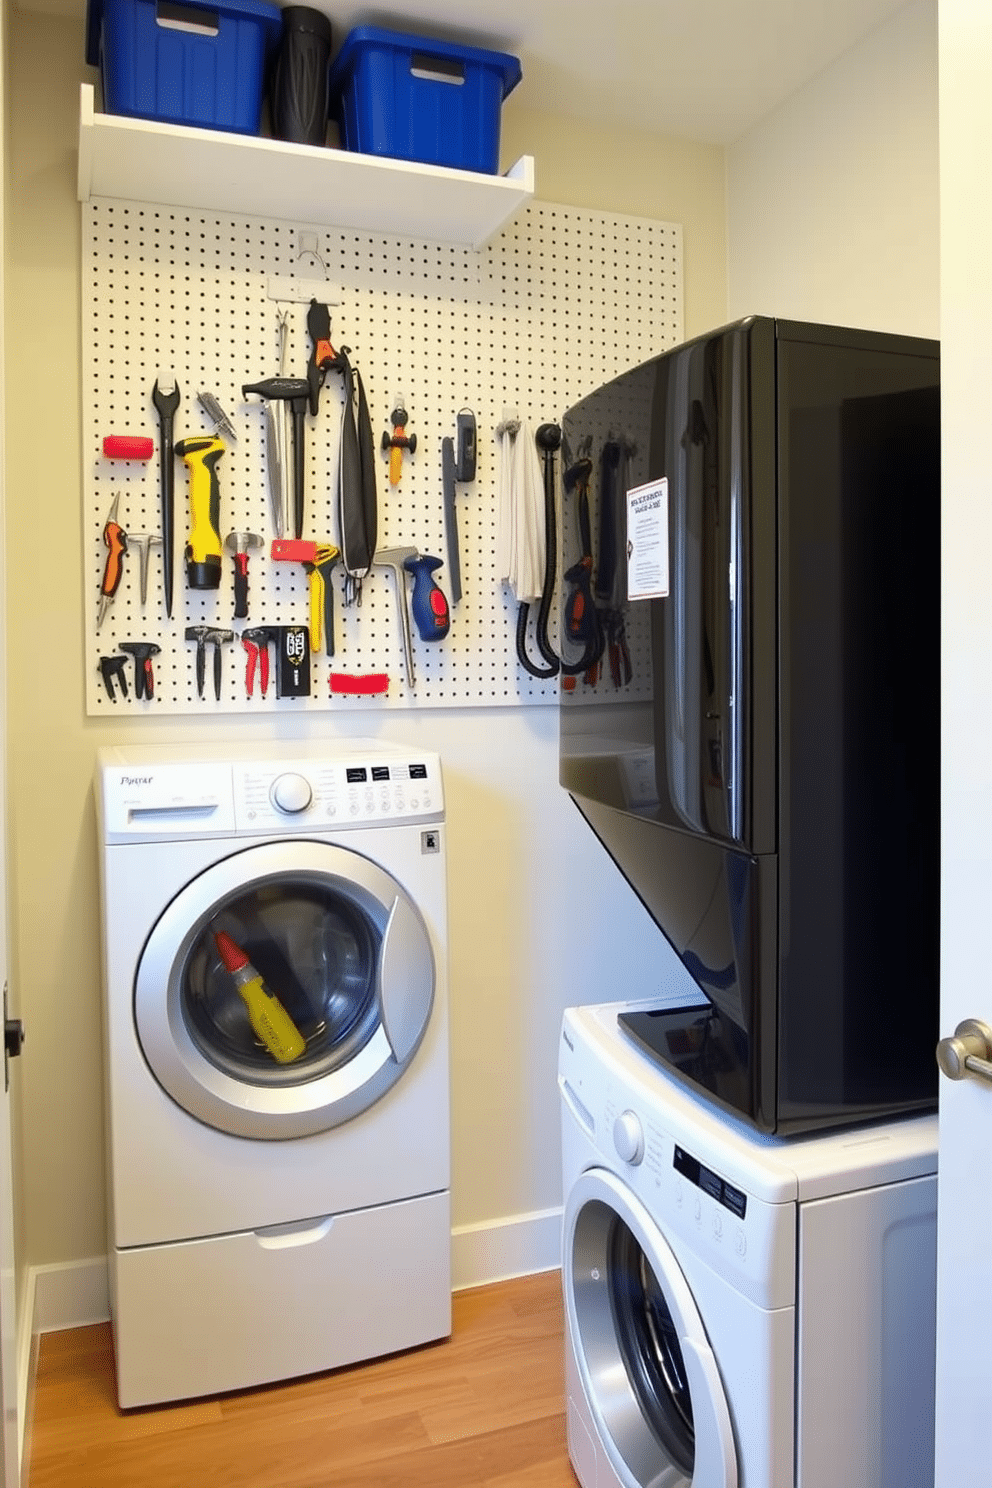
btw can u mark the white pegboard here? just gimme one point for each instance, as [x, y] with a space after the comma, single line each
[563, 300]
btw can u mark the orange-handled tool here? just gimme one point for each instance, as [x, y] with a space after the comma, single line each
[322, 353]
[394, 444]
[115, 541]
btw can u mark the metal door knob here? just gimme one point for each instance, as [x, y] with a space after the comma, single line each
[969, 1052]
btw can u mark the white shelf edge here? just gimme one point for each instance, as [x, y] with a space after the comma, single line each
[209, 170]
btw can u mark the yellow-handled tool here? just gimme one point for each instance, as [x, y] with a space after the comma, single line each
[268, 1017]
[318, 560]
[203, 550]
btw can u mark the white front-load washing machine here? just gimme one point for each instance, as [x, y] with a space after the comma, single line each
[741, 1311]
[277, 1206]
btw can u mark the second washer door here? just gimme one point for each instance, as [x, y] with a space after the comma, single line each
[648, 1372]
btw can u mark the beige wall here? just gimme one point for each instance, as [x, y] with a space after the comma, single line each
[548, 924]
[833, 200]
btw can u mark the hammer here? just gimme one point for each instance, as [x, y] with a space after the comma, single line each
[295, 391]
[241, 544]
[202, 635]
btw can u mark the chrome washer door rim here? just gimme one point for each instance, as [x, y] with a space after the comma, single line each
[626, 1437]
[283, 1112]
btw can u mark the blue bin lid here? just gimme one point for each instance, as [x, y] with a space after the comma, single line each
[363, 36]
[247, 10]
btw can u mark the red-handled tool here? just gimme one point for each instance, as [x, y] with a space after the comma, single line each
[256, 643]
[115, 541]
[144, 676]
[240, 544]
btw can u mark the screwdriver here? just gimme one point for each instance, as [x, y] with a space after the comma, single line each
[115, 541]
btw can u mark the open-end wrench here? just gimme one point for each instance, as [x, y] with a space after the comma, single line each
[166, 404]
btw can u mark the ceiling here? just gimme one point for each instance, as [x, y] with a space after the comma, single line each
[699, 69]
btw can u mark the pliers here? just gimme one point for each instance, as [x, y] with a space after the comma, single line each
[256, 643]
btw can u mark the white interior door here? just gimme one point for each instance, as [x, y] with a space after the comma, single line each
[964, 1347]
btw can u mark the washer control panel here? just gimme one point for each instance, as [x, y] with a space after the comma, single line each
[289, 794]
[274, 791]
[619, 1113]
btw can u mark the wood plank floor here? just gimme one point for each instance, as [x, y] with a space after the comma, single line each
[483, 1409]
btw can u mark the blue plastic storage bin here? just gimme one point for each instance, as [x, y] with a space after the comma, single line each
[183, 63]
[417, 99]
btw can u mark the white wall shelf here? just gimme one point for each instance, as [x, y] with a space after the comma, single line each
[140, 160]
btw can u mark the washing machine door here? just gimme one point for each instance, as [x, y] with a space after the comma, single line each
[338, 944]
[649, 1375]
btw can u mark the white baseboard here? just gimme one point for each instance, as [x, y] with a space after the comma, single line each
[62, 1296]
[27, 1369]
[71, 1295]
[499, 1249]
[76, 1294]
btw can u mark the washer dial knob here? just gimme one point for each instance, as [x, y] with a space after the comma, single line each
[628, 1137]
[290, 793]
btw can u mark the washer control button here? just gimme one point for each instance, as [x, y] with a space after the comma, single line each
[291, 793]
[628, 1137]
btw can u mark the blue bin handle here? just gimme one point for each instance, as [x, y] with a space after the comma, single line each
[199, 18]
[437, 69]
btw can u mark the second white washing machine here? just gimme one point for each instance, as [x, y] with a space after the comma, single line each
[275, 969]
[741, 1311]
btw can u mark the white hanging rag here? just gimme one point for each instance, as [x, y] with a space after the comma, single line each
[520, 527]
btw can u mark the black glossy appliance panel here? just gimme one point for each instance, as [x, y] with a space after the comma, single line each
[775, 801]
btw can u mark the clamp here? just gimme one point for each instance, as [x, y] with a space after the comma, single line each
[111, 668]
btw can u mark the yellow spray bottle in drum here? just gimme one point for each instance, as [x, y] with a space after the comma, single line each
[269, 1018]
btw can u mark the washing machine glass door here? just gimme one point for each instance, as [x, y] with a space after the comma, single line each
[648, 1372]
[347, 985]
